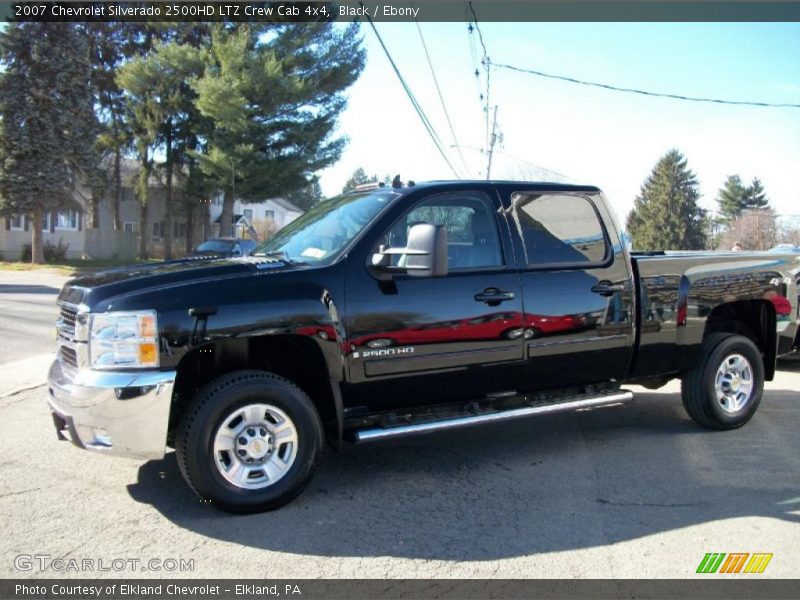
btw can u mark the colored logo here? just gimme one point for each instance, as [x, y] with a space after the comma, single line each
[734, 562]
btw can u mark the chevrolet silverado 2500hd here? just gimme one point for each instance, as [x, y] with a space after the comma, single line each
[395, 311]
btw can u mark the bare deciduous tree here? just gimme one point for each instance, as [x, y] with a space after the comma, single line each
[754, 229]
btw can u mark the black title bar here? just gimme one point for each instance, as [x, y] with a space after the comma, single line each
[424, 10]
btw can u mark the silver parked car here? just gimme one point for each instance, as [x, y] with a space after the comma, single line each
[225, 247]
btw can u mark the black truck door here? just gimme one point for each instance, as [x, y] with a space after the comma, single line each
[421, 340]
[577, 289]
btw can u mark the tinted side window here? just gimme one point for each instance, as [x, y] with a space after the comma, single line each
[559, 229]
[472, 236]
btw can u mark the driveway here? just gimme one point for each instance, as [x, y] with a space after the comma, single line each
[631, 491]
[28, 309]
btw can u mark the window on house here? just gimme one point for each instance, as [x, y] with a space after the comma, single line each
[46, 221]
[132, 226]
[67, 220]
[127, 195]
[269, 215]
[248, 214]
[17, 222]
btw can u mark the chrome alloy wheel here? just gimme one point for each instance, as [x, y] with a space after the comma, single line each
[734, 383]
[255, 446]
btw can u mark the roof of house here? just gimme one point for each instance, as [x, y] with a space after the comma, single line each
[129, 171]
[237, 220]
[286, 205]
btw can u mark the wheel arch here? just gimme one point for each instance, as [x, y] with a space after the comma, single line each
[295, 357]
[754, 319]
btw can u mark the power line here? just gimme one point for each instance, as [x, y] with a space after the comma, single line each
[441, 97]
[537, 167]
[473, 50]
[550, 172]
[477, 27]
[637, 91]
[421, 113]
[486, 63]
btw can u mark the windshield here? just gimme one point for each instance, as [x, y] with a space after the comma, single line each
[215, 246]
[327, 228]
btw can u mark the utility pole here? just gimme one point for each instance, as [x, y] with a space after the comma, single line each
[492, 140]
[758, 229]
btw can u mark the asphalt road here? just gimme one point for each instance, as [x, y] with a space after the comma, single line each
[27, 313]
[631, 491]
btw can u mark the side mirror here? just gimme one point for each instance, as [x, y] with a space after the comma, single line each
[425, 254]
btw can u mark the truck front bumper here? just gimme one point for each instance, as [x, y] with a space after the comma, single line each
[119, 413]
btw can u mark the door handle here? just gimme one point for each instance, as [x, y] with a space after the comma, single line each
[493, 296]
[606, 288]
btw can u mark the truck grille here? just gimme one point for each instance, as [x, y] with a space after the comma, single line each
[66, 321]
[68, 356]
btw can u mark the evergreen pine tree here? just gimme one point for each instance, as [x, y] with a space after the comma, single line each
[732, 198]
[306, 197]
[359, 177]
[49, 125]
[158, 84]
[273, 93]
[666, 214]
[755, 196]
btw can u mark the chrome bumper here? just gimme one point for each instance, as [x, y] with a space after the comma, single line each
[124, 414]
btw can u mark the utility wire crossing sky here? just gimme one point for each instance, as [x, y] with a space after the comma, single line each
[603, 103]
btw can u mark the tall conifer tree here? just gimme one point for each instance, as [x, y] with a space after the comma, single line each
[49, 124]
[666, 214]
[273, 93]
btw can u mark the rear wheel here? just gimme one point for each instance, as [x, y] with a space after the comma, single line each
[723, 390]
[249, 442]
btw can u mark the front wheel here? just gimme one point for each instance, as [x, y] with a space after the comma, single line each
[249, 442]
[724, 389]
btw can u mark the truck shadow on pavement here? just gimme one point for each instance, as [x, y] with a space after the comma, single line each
[554, 483]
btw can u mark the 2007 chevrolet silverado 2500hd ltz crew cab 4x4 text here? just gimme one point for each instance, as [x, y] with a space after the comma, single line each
[401, 310]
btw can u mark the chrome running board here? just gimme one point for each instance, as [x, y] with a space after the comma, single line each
[368, 435]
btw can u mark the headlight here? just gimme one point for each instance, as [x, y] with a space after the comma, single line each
[123, 340]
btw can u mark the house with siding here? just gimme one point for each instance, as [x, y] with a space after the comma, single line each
[191, 224]
[256, 220]
[66, 225]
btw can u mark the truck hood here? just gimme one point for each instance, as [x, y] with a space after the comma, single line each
[92, 288]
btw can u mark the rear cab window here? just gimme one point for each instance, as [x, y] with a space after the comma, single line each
[560, 231]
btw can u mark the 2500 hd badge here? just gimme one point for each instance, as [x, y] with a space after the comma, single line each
[384, 352]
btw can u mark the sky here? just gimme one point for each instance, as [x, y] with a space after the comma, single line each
[558, 130]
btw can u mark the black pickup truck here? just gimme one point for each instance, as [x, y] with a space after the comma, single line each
[401, 310]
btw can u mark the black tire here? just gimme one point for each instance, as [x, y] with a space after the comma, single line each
[213, 406]
[698, 385]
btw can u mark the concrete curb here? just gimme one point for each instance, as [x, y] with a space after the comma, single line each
[25, 374]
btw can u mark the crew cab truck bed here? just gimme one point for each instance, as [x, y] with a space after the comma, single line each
[395, 311]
